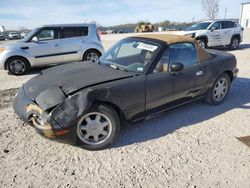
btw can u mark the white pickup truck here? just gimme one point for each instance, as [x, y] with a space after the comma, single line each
[216, 33]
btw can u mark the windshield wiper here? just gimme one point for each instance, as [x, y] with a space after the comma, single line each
[116, 66]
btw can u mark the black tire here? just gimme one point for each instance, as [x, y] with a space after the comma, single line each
[91, 55]
[211, 96]
[17, 65]
[203, 42]
[235, 42]
[112, 134]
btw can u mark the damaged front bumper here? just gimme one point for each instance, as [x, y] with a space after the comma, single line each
[44, 124]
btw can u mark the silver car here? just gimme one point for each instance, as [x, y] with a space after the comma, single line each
[52, 44]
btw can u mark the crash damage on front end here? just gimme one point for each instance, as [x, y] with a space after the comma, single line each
[52, 113]
[55, 100]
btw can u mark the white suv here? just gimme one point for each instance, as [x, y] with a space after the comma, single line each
[216, 33]
[13, 35]
[51, 44]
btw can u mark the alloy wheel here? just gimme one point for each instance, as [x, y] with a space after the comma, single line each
[220, 89]
[94, 128]
[17, 66]
[202, 44]
[235, 43]
[92, 56]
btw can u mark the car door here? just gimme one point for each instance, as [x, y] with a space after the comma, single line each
[215, 34]
[164, 86]
[73, 39]
[46, 47]
[228, 29]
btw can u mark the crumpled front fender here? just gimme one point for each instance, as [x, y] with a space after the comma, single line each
[69, 110]
[76, 105]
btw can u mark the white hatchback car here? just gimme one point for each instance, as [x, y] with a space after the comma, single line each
[216, 33]
[52, 44]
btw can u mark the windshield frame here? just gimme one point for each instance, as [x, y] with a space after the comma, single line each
[138, 39]
[30, 35]
[208, 22]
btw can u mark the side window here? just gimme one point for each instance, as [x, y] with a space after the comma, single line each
[47, 34]
[69, 32]
[216, 26]
[184, 53]
[162, 65]
[227, 24]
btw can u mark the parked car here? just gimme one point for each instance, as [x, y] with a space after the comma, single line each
[2, 37]
[51, 44]
[216, 33]
[24, 33]
[85, 103]
[14, 35]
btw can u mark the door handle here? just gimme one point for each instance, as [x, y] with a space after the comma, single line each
[56, 45]
[199, 73]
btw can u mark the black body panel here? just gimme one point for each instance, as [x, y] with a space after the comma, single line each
[72, 77]
[64, 93]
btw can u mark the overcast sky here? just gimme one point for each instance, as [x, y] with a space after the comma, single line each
[31, 13]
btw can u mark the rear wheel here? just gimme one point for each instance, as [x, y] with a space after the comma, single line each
[219, 91]
[17, 65]
[98, 128]
[235, 42]
[91, 55]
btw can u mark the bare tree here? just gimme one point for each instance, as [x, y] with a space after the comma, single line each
[211, 8]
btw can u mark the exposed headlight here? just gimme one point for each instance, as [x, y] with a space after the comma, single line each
[2, 49]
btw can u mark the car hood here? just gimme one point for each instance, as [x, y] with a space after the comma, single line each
[72, 77]
[11, 45]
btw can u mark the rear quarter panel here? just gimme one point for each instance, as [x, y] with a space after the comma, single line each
[219, 63]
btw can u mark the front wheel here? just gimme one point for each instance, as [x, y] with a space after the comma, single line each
[91, 55]
[98, 128]
[17, 66]
[203, 43]
[219, 91]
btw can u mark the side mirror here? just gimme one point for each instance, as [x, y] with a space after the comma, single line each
[213, 28]
[34, 39]
[176, 67]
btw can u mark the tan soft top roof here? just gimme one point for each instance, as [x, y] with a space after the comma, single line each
[171, 39]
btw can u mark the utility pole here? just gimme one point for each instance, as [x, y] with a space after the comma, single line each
[225, 13]
[193, 19]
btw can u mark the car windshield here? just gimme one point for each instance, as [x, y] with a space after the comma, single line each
[132, 55]
[198, 26]
[27, 37]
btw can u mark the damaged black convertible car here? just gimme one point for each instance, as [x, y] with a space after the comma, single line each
[84, 104]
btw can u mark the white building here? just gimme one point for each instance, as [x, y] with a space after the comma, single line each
[2, 29]
[245, 15]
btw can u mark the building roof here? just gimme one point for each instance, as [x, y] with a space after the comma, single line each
[245, 3]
